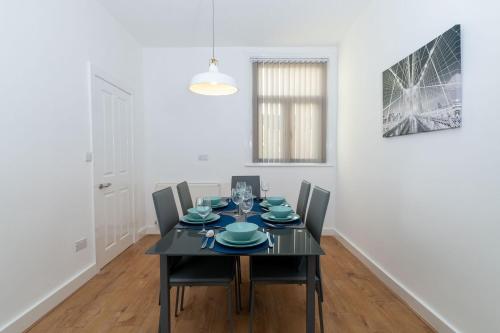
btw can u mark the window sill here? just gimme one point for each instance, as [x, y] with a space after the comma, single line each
[314, 165]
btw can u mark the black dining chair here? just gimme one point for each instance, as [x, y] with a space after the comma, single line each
[184, 197]
[305, 189]
[287, 270]
[197, 270]
[253, 181]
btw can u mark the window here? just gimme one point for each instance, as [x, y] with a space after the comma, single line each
[289, 111]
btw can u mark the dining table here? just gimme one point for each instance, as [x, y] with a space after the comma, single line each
[291, 239]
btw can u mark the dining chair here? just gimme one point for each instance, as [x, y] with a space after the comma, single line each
[253, 181]
[287, 270]
[197, 270]
[184, 197]
[305, 189]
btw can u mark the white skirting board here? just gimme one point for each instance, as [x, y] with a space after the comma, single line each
[422, 309]
[42, 307]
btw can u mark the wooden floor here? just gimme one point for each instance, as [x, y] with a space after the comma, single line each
[124, 298]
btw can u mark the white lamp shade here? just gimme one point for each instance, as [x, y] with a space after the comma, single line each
[213, 83]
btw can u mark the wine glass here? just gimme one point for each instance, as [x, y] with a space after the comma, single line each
[203, 208]
[265, 186]
[248, 190]
[240, 186]
[236, 196]
[247, 203]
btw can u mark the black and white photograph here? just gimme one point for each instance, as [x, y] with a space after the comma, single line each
[423, 92]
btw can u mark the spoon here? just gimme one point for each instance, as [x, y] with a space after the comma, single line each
[211, 234]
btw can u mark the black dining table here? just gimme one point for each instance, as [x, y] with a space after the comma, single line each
[288, 241]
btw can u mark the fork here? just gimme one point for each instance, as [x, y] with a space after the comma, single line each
[204, 244]
[271, 243]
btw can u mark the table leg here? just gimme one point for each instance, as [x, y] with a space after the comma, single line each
[310, 290]
[164, 324]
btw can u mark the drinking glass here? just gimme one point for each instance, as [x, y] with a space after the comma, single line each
[236, 196]
[203, 208]
[247, 203]
[265, 186]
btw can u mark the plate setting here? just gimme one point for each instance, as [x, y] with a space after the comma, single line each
[257, 239]
[290, 218]
[210, 218]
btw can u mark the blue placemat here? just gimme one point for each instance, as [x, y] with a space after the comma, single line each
[260, 222]
[242, 251]
[222, 222]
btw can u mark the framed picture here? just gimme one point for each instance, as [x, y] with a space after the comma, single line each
[423, 92]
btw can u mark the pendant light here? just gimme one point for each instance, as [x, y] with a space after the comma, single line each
[213, 82]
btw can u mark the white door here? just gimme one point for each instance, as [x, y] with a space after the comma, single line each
[111, 121]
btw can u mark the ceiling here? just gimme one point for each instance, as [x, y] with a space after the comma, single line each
[163, 23]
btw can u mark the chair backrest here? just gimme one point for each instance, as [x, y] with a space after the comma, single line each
[305, 189]
[166, 210]
[184, 197]
[253, 181]
[317, 211]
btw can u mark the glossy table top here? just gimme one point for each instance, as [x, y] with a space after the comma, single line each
[287, 242]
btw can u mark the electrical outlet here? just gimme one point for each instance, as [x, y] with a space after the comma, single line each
[80, 244]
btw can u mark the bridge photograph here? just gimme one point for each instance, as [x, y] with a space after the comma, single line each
[423, 92]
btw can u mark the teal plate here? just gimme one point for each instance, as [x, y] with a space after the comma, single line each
[211, 218]
[261, 238]
[266, 204]
[221, 205]
[268, 217]
[256, 236]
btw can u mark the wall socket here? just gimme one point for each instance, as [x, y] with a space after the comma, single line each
[80, 244]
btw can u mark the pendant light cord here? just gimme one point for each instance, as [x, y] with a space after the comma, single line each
[213, 29]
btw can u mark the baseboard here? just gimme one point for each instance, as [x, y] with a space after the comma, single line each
[42, 307]
[151, 229]
[421, 308]
[144, 230]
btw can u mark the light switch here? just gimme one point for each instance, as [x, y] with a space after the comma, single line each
[203, 157]
[88, 156]
[80, 244]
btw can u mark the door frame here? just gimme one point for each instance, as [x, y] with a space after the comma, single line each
[95, 72]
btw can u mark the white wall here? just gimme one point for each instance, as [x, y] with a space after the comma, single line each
[180, 125]
[45, 191]
[425, 208]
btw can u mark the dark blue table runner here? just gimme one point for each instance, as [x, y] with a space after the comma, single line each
[228, 218]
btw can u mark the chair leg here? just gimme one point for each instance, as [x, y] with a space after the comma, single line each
[229, 308]
[238, 265]
[320, 307]
[182, 297]
[251, 305]
[239, 298]
[237, 295]
[176, 301]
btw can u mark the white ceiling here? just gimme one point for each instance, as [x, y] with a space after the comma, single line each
[156, 23]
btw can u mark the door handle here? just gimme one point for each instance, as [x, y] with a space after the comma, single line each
[105, 185]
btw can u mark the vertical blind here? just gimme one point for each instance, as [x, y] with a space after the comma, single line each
[289, 110]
